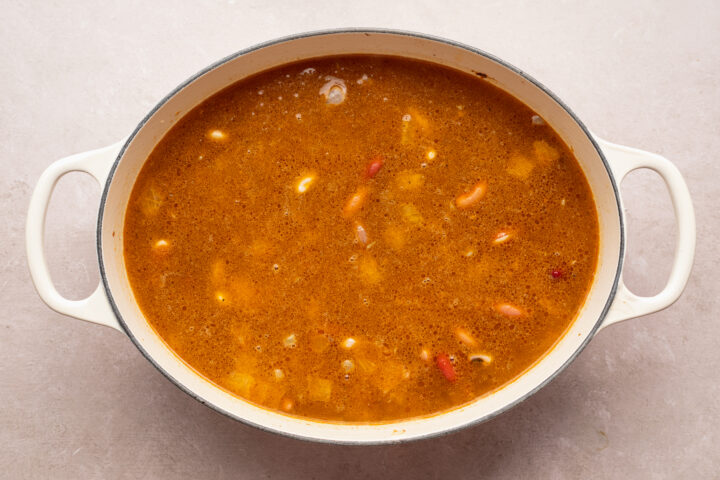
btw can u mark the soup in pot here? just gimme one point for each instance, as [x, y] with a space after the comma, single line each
[361, 238]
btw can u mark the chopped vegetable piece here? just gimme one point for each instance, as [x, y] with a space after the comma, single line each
[390, 376]
[161, 244]
[348, 366]
[538, 120]
[240, 382]
[290, 341]
[446, 367]
[319, 389]
[431, 154]
[411, 214]
[348, 342]
[151, 202]
[374, 167]
[355, 202]
[509, 310]
[480, 358]
[395, 237]
[217, 135]
[268, 393]
[520, 167]
[409, 180]
[425, 355]
[366, 366]
[544, 153]
[217, 272]
[319, 343]
[368, 269]
[221, 297]
[465, 337]
[279, 374]
[469, 199]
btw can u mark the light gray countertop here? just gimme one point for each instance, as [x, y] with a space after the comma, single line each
[79, 401]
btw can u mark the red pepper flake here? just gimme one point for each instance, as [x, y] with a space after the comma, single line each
[446, 367]
[556, 273]
[374, 167]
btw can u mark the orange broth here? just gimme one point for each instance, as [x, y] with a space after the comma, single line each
[361, 238]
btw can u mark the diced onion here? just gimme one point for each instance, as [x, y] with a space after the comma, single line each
[290, 341]
[348, 366]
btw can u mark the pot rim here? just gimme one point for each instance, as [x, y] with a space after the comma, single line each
[315, 33]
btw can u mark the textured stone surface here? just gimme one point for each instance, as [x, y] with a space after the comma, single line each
[79, 401]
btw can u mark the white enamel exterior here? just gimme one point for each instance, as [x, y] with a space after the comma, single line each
[599, 309]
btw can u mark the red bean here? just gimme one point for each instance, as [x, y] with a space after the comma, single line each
[446, 367]
[374, 167]
[556, 273]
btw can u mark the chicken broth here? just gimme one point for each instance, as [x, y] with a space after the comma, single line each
[361, 238]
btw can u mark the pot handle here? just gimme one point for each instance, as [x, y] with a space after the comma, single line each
[626, 304]
[95, 308]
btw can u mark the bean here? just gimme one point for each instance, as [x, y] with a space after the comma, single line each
[217, 135]
[361, 235]
[409, 180]
[465, 337]
[161, 245]
[374, 167]
[304, 183]
[472, 197]
[355, 202]
[446, 367]
[509, 310]
[480, 358]
[502, 237]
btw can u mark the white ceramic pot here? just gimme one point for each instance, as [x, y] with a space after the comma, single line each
[117, 166]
